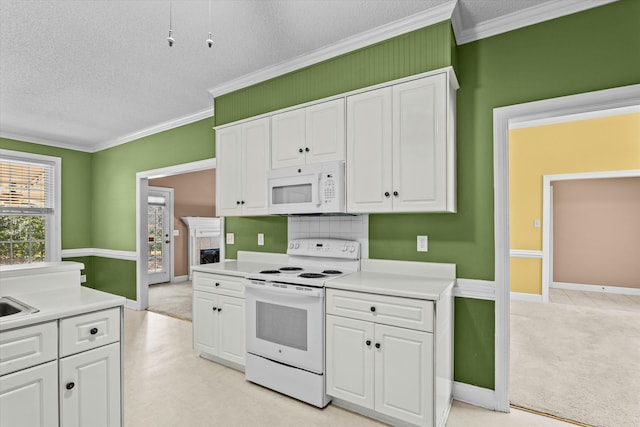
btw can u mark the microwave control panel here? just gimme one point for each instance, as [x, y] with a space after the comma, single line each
[328, 188]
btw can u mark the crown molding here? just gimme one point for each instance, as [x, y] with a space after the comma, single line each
[416, 21]
[170, 124]
[513, 21]
[43, 141]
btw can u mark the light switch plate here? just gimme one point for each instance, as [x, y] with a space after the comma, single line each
[231, 238]
[423, 244]
[260, 239]
[176, 232]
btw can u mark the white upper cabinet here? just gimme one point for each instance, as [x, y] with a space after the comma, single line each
[307, 135]
[401, 147]
[369, 151]
[242, 153]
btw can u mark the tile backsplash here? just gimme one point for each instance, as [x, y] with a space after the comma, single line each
[350, 227]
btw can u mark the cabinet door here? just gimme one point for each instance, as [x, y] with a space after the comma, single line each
[228, 171]
[205, 322]
[325, 132]
[29, 398]
[288, 139]
[231, 332]
[420, 145]
[90, 388]
[369, 151]
[404, 374]
[255, 138]
[350, 360]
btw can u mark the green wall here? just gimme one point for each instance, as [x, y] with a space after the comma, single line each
[76, 190]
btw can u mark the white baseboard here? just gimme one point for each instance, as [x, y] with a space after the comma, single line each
[178, 279]
[133, 305]
[474, 395]
[595, 288]
[521, 296]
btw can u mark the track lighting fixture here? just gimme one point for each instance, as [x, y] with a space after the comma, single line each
[170, 39]
[210, 39]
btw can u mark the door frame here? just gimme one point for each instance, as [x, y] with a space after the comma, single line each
[142, 191]
[169, 215]
[547, 216]
[580, 106]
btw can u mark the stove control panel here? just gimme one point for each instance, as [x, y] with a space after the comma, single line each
[327, 248]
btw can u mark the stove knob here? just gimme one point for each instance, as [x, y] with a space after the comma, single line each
[291, 245]
[297, 245]
[344, 248]
[352, 249]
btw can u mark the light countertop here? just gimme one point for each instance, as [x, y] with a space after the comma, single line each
[59, 303]
[247, 262]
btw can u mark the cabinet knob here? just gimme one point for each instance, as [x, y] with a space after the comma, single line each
[377, 345]
[368, 342]
[217, 284]
[242, 202]
[237, 202]
[219, 308]
[93, 331]
[386, 194]
[395, 193]
[300, 150]
[373, 309]
[215, 308]
[70, 385]
[306, 149]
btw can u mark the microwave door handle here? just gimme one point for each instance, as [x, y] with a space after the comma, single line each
[317, 196]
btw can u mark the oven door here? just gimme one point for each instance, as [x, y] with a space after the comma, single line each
[285, 323]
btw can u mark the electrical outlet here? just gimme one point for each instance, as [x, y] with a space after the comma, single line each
[423, 243]
[231, 238]
[260, 239]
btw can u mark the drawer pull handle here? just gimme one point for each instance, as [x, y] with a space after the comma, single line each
[70, 385]
[217, 284]
[368, 343]
[373, 309]
[93, 331]
[377, 345]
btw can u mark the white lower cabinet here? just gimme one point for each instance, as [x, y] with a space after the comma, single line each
[384, 368]
[90, 388]
[29, 398]
[376, 362]
[63, 373]
[218, 318]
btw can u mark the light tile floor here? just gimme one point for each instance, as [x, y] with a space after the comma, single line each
[595, 299]
[168, 384]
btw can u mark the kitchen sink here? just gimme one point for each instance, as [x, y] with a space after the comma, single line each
[12, 307]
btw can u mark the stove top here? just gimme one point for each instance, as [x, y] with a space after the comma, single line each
[313, 261]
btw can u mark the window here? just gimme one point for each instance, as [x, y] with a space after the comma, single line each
[29, 208]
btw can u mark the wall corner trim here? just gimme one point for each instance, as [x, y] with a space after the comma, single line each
[525, 253]
[133, 305]
[474, 395]
[472, 288]
[103, 253]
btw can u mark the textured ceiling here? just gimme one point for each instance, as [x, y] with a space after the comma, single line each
[86, 74]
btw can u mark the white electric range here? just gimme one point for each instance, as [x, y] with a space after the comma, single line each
[285, 317]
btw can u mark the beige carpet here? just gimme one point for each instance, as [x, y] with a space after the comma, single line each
[579, 363]
[172, 299]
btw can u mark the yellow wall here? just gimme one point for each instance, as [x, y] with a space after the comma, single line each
[595, 145]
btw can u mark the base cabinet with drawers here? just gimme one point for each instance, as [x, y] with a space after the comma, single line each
[65, 372]
[218, 318]
[381, 356]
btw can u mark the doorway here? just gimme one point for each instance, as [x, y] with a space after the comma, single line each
[142, 222]
[160, 235]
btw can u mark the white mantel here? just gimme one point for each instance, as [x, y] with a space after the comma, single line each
[200, 227]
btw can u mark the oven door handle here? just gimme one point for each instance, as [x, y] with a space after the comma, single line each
[308, 292]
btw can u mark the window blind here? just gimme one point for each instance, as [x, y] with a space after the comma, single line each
[26, 187]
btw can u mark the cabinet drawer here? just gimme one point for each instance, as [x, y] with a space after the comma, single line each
[395, 311]
[224, 285]
[28, 346]
[87, 331]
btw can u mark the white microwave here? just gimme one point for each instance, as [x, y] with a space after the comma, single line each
[310, 189]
